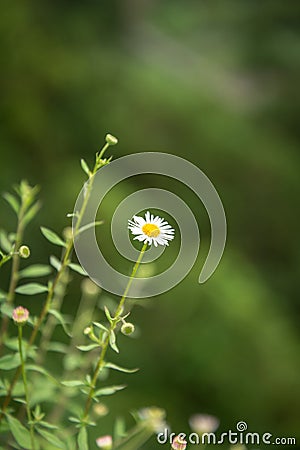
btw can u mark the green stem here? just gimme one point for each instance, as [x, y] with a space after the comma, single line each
[113, 325]
[29, 417]
[14, 277]
[64, 265]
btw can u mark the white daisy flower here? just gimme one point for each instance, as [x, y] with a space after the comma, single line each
[153, 230]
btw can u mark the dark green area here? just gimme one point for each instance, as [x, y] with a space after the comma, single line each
[215, 83]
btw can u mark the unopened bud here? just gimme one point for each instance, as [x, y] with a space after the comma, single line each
[24, 251]
[104, 442]
[87, 331]
[179, 443]
[100, 409]
[127, 328]
[111, 140]
[68, 233]
[20, 315]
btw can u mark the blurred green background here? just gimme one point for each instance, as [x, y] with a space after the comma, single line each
[217, 83]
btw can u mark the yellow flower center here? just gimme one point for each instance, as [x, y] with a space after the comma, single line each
[151, 230]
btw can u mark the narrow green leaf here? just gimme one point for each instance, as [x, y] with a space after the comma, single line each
[74, 419]
[77, 268]
[109, 390]
[107, 313]
[48, 425]
[87, 348]
[113, 341]
[9, 362]
[19, 432]
[72, 383]
[119, 368]
[5, 244]
[52, 237]
[36, 270]
[31, 289]
[61, 319]
[58, 347]
[83, 439]
[12, 201]
[99, 325]
[55, 263]
[50, 437]
[42, 371]
[31, 213]
[90, 225]
[85, 167]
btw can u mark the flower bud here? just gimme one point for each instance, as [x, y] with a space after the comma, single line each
[68, 233]
[104, 442]
[88, 287]
[179, 443]
[127, 328]
[24, 251]
[111, 140]
[20, 315]
[100, 409]
[204, 423]
[87, 331]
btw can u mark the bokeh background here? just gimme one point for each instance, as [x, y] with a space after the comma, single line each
[216, 83]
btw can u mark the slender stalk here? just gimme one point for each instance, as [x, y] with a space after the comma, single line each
[29, 417]
[14, 277]
[64, 265]
[112, 327]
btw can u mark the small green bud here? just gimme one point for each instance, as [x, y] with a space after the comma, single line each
[127, 328]
[24, 252]
[87, 331]
[68, 233]
[111, 140]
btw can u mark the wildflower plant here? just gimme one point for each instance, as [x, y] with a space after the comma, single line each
[40, 408]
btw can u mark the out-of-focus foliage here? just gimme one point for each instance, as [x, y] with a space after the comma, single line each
[214, 82]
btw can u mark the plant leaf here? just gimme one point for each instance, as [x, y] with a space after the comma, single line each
[58, 347]
[31, 213]
[61, 320]
[77, 268]
[113, 341]
[9, 362]
[36, 270]
[99, 325]
[73, 383]
[52, 237]
[50, 437]
[19, 432]
[55, 263]
[31, 289]
[87, 348]
[5, 244]
[83, 439]
[85, 167]
[107, 313]
[42, 371]
[119, 368]
[90, 225]
[12, 201]
[109, 390]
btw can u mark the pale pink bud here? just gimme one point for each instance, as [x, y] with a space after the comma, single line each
[179, 443]
[20, 315]
[104, 442]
